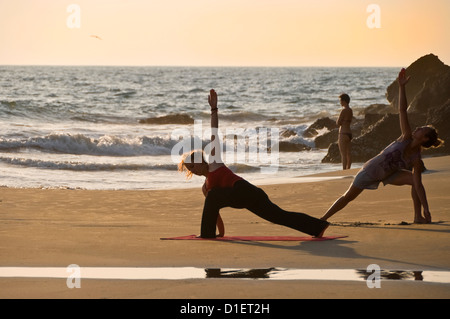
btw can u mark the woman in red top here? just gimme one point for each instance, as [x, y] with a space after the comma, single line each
[223, 188]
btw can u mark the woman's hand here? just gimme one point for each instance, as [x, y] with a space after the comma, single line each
[212, 99]
[402, 78]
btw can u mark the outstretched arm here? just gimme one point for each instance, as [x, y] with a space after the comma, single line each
[420, 189]
[403, 105]
[212, 100]
[216, 156]
[220, 226]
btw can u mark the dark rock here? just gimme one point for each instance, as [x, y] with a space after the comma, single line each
[375, 112]
[288, 133]
[169, 119]
[310, 132]
[324, 122]
[371, 119]
[435, 92]
[324, 140]
[420, 71]
[357, 127]
[378, 109]
[292, 147]
[439, 118]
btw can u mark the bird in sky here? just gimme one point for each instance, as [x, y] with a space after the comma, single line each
[96, 36]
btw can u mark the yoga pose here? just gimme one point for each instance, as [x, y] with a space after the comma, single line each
[223, 188]
[345, 132]
[394, 164]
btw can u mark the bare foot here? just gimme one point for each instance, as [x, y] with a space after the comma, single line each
[427, 217]
[420, 220]
[322, 232]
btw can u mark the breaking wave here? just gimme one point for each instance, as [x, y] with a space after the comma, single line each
[80, 144]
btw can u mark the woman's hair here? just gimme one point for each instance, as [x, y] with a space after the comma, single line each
[433, 139]
[345, 97]
[190, 158]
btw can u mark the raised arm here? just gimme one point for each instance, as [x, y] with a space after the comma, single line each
[212, 100]
[216, 156]
[403, 105]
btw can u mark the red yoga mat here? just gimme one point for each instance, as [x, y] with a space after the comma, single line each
[256, 238]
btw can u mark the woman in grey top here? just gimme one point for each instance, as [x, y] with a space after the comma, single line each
[398, 164]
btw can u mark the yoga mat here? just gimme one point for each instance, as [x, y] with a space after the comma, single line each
[256, 238]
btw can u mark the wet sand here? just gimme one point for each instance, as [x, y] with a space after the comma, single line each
[57, 228]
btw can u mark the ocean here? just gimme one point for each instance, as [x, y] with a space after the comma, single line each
[87, 127]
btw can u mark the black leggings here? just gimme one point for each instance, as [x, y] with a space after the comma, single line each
[245, 195]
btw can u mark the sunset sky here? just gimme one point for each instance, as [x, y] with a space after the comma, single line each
[223, 32]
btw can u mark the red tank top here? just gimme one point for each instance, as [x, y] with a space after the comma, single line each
[222, 177]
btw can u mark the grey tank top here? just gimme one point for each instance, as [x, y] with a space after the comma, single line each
[390, 160]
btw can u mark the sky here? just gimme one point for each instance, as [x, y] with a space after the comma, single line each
[223, 32]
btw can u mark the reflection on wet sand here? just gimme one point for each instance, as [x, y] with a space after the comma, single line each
[182, 273]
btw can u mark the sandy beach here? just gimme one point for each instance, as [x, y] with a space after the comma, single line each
[57, 228]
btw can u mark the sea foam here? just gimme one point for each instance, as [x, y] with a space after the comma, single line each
[106, 145]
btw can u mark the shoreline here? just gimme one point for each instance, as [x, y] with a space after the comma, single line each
[309, 178]
[58, 227]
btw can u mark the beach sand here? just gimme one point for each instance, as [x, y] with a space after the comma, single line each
[57, 228]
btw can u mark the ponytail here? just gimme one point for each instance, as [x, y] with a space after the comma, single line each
[433, 140]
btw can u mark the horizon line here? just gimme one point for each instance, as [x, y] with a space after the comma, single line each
[206, 66]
